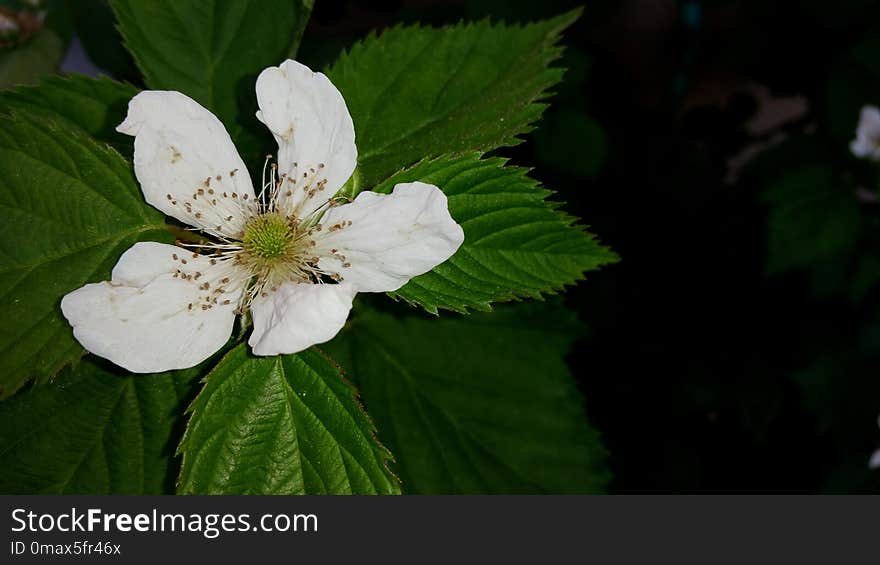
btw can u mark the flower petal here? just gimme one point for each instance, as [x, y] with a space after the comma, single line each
[391, 237]
[186, 162]
[869, 119]
[315, 134]
[148, 320]
[297, 316]
[874, 462]
[867, 141]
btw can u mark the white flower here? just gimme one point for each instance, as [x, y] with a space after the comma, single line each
[866, 145]
[874, 462]
[292, 255]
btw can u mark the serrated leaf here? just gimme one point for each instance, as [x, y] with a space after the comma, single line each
[516, 243]
[28, 62]
[477, 404]
[280, 425]
[70, 207]
[212, 51]
[94, 430]
[417, 92]
[95, 106]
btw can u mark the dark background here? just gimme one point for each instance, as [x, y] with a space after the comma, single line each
[704, 371]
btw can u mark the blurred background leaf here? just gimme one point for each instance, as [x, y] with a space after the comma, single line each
[33, 39]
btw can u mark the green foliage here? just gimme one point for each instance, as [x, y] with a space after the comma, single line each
[478, 404]
[571, 142]
[93, 430]
[516, 243]
[25, 64]
[95, 106]
[416, 92]
[70, 207]
[281, 425]
[212, 51]
[814, 216]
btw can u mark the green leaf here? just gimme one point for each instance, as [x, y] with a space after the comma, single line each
[94, 430]
[839, 388]
[280, 425]
[516, 243]
[571, 142]
[416, 92]
[814, 216]
[212, 51]
[96, 106]
[28, 62]
[70, 207]
[481, 404]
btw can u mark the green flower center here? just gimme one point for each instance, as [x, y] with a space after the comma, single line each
[268, 236]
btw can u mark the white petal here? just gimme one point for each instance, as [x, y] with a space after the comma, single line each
[874, 462]
[861, 148]
[297, 316]
[392, 237]
[309, 119]
[142, 319]
[869, 120]
[178, 146]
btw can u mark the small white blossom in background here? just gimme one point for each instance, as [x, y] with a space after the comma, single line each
[291, 254]
[866, 145]
[874, 462]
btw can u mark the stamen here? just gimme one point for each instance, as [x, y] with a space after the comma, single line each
[258, 244]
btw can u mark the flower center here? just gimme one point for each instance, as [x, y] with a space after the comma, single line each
[268, 236]
[276, 246]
